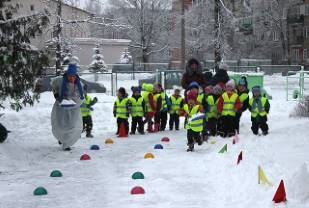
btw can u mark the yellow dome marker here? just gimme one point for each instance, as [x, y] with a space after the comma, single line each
[109, 141]
[149, 156]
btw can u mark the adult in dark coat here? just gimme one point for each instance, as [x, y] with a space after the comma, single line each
[220, 76]
[193, 73]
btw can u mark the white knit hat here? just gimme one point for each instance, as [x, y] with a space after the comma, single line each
[230, 83]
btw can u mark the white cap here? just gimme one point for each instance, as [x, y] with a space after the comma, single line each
[230, 83]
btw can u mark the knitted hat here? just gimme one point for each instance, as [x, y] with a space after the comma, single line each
[192, 95]
[256, 89]
[136, 89]
[230, 83]
[194, 85]
[72, 70]
[122, 91]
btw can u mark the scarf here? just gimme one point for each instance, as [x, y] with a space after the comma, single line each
[64, 87]
[257, 102]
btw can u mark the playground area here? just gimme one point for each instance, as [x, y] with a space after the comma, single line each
[173, 178]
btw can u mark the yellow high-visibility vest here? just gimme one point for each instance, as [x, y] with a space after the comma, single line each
[255, 112]
[196, 125]
[121, 108]
[229, 104]
[175, 104]
[137, 107]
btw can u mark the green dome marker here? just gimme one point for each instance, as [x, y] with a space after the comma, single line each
[138, 175]
[40, 191]
[56, 173]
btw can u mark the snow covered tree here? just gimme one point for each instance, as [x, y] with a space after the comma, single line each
[97, 65]
[149, 22]
[126, 57]
[20, 62]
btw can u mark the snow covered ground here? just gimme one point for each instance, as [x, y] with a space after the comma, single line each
[173, 179]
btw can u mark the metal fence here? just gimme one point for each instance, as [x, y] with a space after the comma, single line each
[297, 85]
[267, 69]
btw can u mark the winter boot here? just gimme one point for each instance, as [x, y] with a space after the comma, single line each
[89, 135]
[265, 133]
[205, 137]
[132, 133]
[190, 147]
[199, 141]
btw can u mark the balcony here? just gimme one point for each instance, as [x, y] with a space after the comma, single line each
[295, 19]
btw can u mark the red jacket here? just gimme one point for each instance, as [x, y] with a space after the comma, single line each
[237, 105]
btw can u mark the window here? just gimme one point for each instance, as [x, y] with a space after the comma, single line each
[31, 7]
[295, 54]
[275, 36]
[305, 32]
[304, 9]
[306, 53]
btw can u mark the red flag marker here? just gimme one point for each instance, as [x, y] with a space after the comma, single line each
[280, 195]
[239, 158]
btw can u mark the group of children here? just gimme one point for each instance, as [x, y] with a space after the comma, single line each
[149, 105]
[223, 106]
[215, 111]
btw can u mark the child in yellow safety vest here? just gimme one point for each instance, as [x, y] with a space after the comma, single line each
[210, 109]
[259, 108]
[86, 108]
[162, 103]
[228, 105]
[150, 108]
[122, 109]
[137, 110]
[243, 93]
[174, 110]
[194, 126]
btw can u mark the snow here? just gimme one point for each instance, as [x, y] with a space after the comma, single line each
[173, 179]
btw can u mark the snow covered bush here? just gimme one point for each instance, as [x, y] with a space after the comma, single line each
[302, 108]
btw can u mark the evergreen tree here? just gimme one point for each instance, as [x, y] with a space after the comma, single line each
[98, 64]
[20, 62]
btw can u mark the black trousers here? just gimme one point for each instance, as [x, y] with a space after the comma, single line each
[193, 136]
[125, 122]
[237, 121]
[211, 125]
[87, 124]
[259, 123]
[174, 119]
[137, 120]
[228, 126]
[161, 118]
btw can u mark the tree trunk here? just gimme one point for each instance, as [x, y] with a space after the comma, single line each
[217, 41]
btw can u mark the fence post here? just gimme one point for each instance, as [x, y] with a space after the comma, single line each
[112, 84]
[302, 82]
[157, 75]
[163, 79]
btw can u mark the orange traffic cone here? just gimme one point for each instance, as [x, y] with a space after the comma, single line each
[122, 131]
[239, 158]
[280, 195]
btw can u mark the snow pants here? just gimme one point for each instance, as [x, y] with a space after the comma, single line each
[193, 136]
[211, 126]
[174, 119]
[161, 120]
[228, 126]
[87, 124]
[259, 123]
[137, 120]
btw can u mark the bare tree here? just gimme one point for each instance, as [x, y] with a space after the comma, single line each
[150, 23]
[271, 16]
